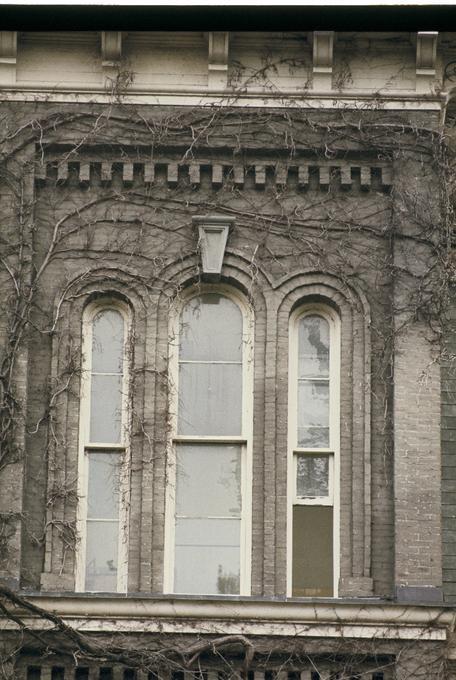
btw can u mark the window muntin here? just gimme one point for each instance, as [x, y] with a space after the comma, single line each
[102, 514]
[314, 437]
[208, 537]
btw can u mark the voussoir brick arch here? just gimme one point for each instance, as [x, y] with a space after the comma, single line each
[237, 275]
[352, 309]
[102, 285]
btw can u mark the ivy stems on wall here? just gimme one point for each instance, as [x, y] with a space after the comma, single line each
[280, 173]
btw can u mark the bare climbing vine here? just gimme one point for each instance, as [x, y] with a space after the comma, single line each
[59, 224]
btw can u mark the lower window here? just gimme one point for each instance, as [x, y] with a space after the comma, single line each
[313, 517]
[208, 519]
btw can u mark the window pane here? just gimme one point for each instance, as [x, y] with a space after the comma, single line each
[103, 490]
[101, 556]
[210, 399]
[312, 551]
[107, 342]
[313, 347]
[208, 480]
[106, 408]
[207, 556]
[312, 476]
[313, 414]
[211, 329]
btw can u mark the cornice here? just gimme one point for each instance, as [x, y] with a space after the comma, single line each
[162, 38]
[59, 37]
[196, 96]
[342, 619]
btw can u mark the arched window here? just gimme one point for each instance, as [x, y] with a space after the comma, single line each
[314, 452]
[102, 510]
[208, 537]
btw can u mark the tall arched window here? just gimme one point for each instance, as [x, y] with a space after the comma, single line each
[208, 537]
[102, 510]
[314, 452]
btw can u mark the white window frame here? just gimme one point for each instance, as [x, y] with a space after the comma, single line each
[85, 446]
[333, 497]
[244, 440]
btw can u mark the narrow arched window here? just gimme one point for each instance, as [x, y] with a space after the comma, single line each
[102, 514]
[209, 500]
[314, 445]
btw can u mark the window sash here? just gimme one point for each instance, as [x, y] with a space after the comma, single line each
[87, 447]
[314, 500]
[332, 451]
[244, 439]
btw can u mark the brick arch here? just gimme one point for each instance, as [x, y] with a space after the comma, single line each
[236, 269]
[69, 306]
[273, 303]
[237, 274]
[355, 456]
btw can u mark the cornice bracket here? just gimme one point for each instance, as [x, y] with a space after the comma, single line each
[323, 47]
[8, 55]
[426, 57]
[111, 54]
[218, 60]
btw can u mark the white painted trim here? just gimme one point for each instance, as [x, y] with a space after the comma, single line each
[371, 618]
[333, 498]
[286, 628]
[85, 446]
[189, 439]
[245, 439]
[80, 93]
[362, 610]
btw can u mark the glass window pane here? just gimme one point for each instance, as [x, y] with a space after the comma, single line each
[101, 556]
[211, 329]
[312, 476]
[107, 342]
[313, 414]
[313, 437]
[208, 480]
[207, 556]
[104, 483]
[312, 551]
[106, 408]
[313, 347]
[210, 399]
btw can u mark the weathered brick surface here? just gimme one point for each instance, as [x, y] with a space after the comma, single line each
[143, 247]
[416, 395]
[421, 661]
[448, 416]
[417, 461]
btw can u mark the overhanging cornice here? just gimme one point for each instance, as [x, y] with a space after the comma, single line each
[175, 95]
[137, 614]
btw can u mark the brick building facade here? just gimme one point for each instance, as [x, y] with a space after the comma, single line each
[228, 345]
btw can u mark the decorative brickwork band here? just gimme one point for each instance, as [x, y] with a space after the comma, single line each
[303, 175]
